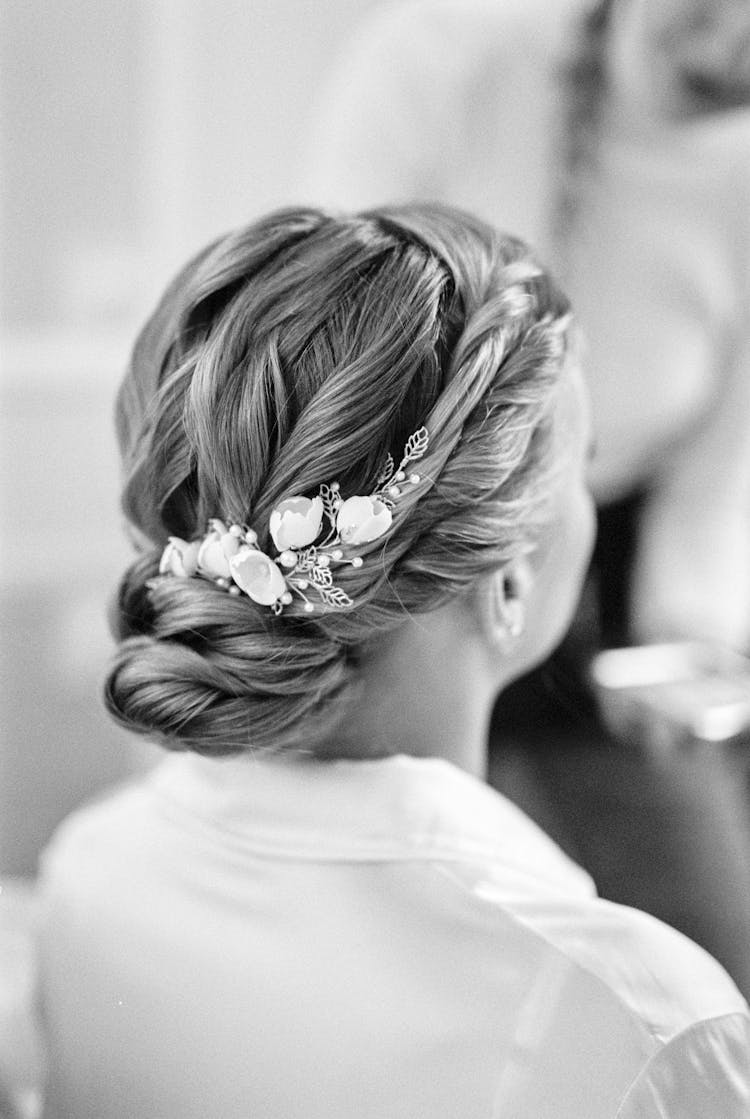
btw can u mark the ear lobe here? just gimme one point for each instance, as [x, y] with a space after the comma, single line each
[509, 589]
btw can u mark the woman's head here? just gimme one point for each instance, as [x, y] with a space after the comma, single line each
[302, 350]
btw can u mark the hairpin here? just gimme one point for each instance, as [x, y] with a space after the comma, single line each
[312, 535]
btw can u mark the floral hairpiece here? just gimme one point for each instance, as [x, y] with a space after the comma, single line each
[229, 556]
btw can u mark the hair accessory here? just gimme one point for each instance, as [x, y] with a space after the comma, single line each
[228, 555]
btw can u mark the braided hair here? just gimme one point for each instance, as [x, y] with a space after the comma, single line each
[300, 349]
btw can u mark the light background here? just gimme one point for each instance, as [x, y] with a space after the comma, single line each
[133, 133]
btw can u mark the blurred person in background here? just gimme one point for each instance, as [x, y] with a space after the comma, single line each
[616, 138]
[316, 906]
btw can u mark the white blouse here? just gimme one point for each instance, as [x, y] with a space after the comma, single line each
[374, 939]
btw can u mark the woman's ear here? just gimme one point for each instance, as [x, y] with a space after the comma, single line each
[505, 615]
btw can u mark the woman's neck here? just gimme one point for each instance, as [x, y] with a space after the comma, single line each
[426, 691]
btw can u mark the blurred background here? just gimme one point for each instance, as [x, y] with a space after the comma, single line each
[133, 133]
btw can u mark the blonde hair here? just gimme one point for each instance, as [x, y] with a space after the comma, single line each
[299, 350]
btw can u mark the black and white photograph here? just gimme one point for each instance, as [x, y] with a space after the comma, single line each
[375, 559]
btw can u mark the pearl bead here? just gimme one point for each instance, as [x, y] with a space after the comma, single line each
[251, 536]
[288, 559]
[236, 530]
[235, 591]
[335, 487]
[309, 607]
[337, 554]
[286, 598]
[414, 479]
[324, 561]
[357, 561]
[303, 584]
[400, 476]
[394, 491]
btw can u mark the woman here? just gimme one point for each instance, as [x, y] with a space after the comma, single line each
[354, 451]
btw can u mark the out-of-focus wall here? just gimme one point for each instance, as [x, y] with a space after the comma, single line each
[133, 133]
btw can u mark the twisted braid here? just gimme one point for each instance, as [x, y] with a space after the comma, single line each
[299, 351]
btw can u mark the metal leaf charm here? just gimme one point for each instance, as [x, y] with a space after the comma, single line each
[386, 471]
[416, 445]
[321, 576]
[331, 503]
[334, 596]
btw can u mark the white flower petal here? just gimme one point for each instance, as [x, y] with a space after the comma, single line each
[295, 522]
[179, 558]
[362, 519]
[230, 545]
[211, 558]
[258, 576]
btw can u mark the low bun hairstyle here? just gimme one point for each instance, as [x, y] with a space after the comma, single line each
[301, 350]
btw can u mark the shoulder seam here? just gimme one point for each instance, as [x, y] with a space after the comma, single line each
[664, 1046]
[645, 1027]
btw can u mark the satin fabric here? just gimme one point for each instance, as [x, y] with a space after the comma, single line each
[384, 939]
